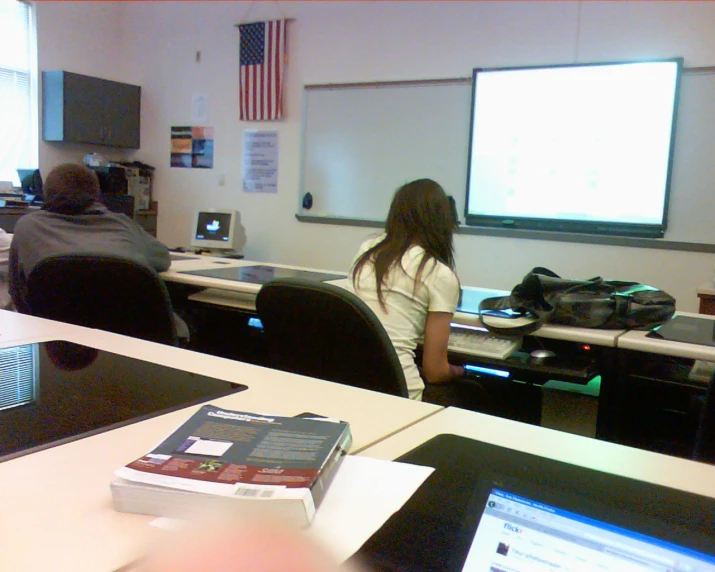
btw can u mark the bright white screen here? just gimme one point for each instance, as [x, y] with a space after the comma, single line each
[516, 534]
[585, 143]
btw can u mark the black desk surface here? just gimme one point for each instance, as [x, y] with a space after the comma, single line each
[687, 330]
[260, 274]
[173, 256]
[435, 528]
[80, 391]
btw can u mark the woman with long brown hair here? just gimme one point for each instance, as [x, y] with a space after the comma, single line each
[407, 278]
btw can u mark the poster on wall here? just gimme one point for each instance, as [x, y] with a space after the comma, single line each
[260, 161]
[192, 147]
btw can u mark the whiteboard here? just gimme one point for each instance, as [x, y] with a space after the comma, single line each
[363, 141]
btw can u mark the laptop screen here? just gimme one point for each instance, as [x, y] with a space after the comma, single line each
[517, 534]
[22, 173]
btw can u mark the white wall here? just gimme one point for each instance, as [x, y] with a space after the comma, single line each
[86, 38]
[155, 44]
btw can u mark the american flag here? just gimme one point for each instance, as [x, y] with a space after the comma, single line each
[262, 63]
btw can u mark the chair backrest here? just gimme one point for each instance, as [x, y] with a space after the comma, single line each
[705, 439]
[325, 331]
[104, 292]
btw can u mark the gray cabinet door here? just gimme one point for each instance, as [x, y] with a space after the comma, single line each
[83, 109]
[121, 115]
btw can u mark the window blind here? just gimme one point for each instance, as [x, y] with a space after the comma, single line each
[19, 374]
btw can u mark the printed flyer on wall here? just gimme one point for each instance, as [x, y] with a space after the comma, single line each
[260, 161]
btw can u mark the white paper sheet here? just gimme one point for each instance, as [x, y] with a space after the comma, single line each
[363, 495]
[260, 161]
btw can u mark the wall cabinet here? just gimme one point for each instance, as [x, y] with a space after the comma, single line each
[82, 109]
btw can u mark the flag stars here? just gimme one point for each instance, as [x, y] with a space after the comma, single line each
[252, 44]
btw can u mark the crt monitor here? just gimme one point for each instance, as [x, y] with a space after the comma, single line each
[217, 230]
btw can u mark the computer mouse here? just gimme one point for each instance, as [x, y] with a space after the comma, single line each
[541, 355]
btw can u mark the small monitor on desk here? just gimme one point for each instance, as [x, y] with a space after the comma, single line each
[218, 231]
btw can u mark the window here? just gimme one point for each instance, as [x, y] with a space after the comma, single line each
[18, 89]
[19, 375]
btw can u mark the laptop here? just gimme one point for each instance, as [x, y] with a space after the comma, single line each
[491, 509]
[519, 533]
[22, 173]
[31, 186]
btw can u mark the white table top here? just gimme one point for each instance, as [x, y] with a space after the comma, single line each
[615, 459]
[637, 340]
[60, 496]
[16, 328]
[57, 513]
[371, 415]
[175, 273]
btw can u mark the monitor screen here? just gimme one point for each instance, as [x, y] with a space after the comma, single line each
[214, 226]
[581, 148]
[218, 230]
[23, 173]
[519, 534]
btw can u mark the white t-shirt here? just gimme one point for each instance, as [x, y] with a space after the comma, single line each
[407, 307]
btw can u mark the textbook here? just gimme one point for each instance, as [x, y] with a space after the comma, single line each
[245, 463]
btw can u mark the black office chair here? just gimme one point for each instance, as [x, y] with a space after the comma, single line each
[325, 331]
[104, 292]
[705, 439]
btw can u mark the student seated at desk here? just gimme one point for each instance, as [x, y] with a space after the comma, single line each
[406, 276]
[74, 220]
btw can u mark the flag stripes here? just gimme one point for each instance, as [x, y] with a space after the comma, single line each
[262, 63]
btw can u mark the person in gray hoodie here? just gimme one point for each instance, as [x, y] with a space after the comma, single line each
[74, 220]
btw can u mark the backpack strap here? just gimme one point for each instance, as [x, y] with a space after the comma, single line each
[493, 308]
